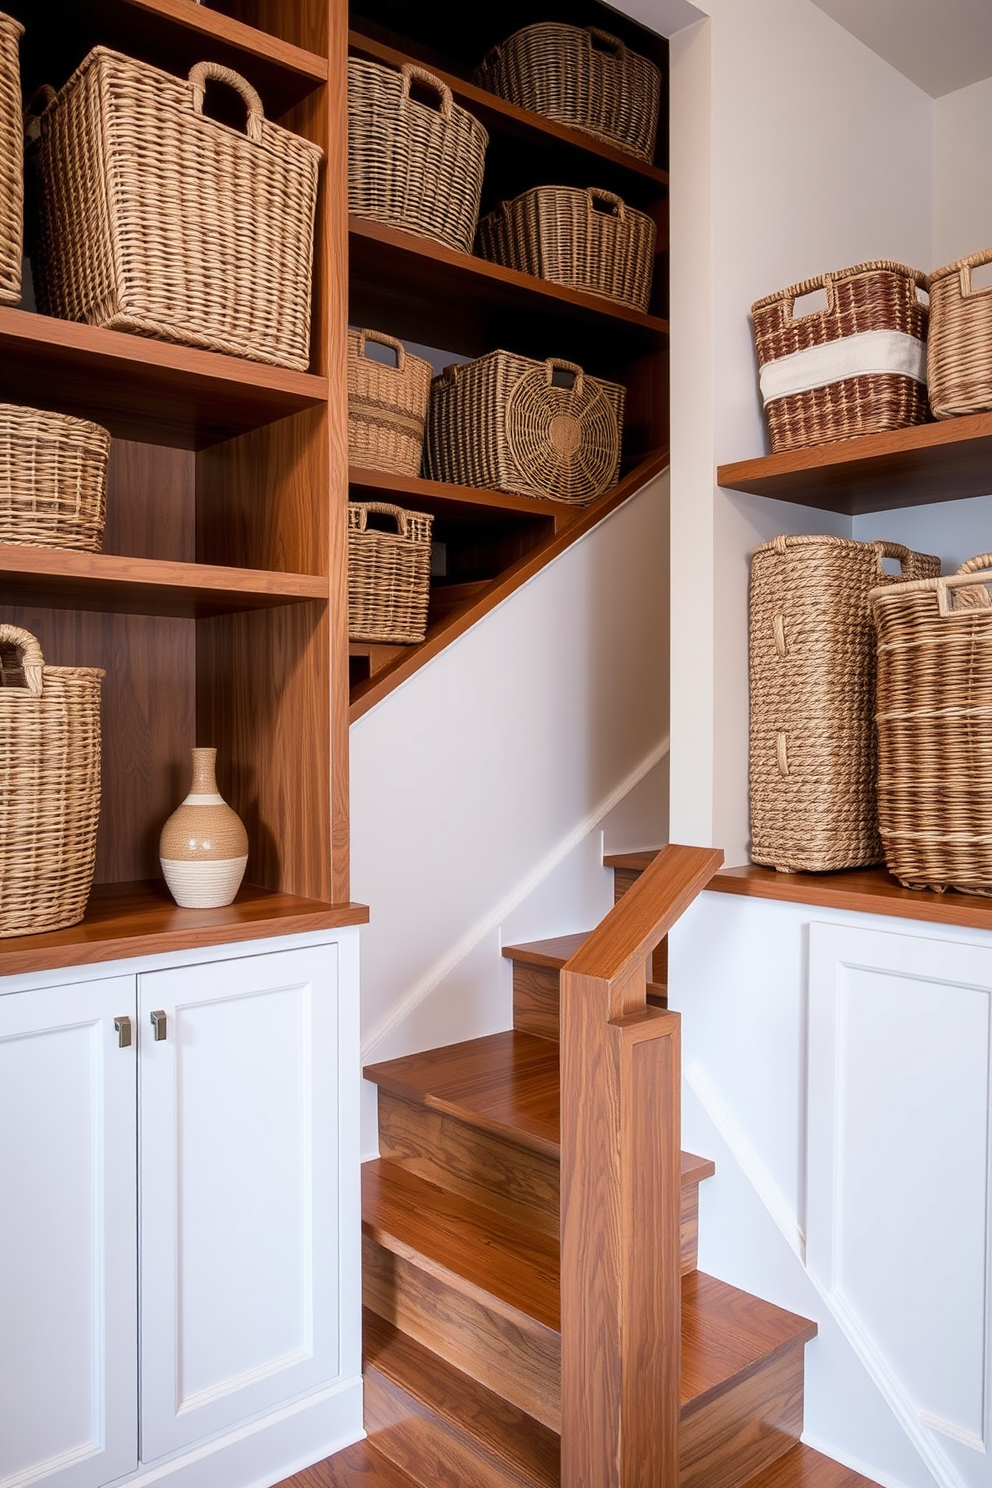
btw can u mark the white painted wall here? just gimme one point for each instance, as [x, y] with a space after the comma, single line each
[962, 173]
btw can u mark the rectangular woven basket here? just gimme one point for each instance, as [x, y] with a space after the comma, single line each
[544, 429]
[157, 219]
[387, 406]
[812, 673]
[857, 367]
[589, 240]
[389, 574]
[579, 76]
[413, 165]
[11, 163]
[934, 707]
[50, 801]
[53, 479]
[959, 351]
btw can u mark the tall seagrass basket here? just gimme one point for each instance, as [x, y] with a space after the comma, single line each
[387, 406]
[389, 574]
[812, 672]
[49, 786]
[11, 163]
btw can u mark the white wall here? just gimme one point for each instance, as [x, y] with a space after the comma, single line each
[962, 165]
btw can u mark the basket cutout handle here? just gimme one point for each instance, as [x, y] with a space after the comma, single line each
[782, 753]
[21, 661]
[384, 509]
[198, 76]
[975, 261]
[555, 364]
[605, 41]
[427, 80]
[615, 206]
[810, 287]
[892, 550]
[778, 629]
[965, 591]
[36, 105]
[383, 340]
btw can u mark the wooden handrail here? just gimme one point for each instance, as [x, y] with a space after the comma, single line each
[620, 1181]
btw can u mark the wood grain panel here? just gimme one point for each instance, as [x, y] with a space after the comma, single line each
[535, 1000]
[151, 502]
[747, 1427]
[359, 1466]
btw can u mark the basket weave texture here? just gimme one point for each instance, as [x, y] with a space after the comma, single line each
[389, 574]
[505, 423]
[157, 219]
[411, 165]
[868, 298]
[579, 76]
[49, 786]
[812, 670]
[387, 406]
[11, 163]
[53, 479]
[959, 352]
[589, 240]
[934, 713]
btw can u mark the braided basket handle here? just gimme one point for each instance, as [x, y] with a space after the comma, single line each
[385, 509]
[607, 41]
[892, 550]
[556, 362]
[427, 80]
[198, 76]
[383, 340]
[595, 193]
[977, 565]
[20, 655]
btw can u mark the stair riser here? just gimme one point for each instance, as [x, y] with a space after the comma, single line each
[536, 996]
[517, 1358]
[746, 1428]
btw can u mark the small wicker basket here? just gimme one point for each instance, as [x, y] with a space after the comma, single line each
[857, 367]
[411, 165]
[49, 787]
[934, 710]
[582, 77]
[11, 163]
[53, 479]
[389, 574]
[812, 669]
[543, 429]
[157, 219]
[959, 352]
[589, 240]
[387, 406]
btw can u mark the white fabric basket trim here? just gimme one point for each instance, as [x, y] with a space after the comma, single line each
[867, 353]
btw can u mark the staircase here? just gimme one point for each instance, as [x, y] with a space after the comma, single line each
[461, 1282]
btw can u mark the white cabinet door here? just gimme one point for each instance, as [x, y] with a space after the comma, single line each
[239, 1183]
[68, 1289]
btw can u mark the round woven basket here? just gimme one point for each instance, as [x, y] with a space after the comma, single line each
[53, 479]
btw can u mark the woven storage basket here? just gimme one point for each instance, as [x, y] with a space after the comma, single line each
[857, 367]
[589, 240]
[389, 574]
[157, 219]
[812, 668]
[579, 76]
[935, 729]
[53, 479]
[11, 163]
[505, 423]
[959, 352]
[387, 406]
[412, 165]
[49, 786]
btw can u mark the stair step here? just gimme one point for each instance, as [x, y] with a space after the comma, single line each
[536, 974]
[801, 1467]
[359, 1466]
[441, 1426]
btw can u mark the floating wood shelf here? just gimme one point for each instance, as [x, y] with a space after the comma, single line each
[862, 890]
[443, 499]
[943, 461]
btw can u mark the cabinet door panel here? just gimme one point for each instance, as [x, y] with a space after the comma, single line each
[68, 1237]
[239, 1191]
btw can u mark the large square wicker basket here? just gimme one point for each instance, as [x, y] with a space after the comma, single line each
[812, 668]
[11, 163]
[157, 219]
[389, 574]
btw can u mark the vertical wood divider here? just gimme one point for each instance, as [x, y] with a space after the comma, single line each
[620, 1181]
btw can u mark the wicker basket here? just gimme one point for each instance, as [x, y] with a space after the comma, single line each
[411, 165]
[857, 367]
[53, 479]
[11, 163]
[934, 712]
[582, 77]
[157, 219]
[959, 353]
[49, 786]
[542, 429]
[387, 406]
[812, 666]
[389, 574]
[589, 240]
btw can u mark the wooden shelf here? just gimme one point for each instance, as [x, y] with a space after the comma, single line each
[863, 890]
[144, 586]
[911, 467]
[444, 499]
[421, 290]
[142, 389]
[140, 919]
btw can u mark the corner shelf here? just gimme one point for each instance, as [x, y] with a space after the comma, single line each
[444, 499]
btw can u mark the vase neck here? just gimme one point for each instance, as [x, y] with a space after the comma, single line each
[204, 772]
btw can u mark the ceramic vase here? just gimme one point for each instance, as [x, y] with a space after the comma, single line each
[204, 846]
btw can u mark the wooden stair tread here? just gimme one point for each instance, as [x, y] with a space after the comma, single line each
[801, 1467]
[361, 1465]
[484, 1254]
[554, 952]
[728, 1334]
[636, 862]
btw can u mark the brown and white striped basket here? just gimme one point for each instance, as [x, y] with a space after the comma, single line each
[11, 163]
[959, 352]
[387, 406]
[53, 479]
[812, 672]
[156, 219]
[934, 739]
[589, 240]
[857, 367]
[389, 574]
[50, 801]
